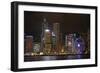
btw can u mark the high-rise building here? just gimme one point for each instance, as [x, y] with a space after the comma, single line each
[47, 42]
[36, 47]
[80, 45]
[46, 37]
[28, 44]
[53, 42]
[70, 43]
[57, 33]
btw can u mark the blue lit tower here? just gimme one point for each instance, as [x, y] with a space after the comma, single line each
[79, 45]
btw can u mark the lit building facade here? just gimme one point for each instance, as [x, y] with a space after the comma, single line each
[69, 43]
[46, 42]
[36, 47]
[80, 45]
[58, 40]
[28, 41]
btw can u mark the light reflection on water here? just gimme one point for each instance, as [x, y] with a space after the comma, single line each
[49, 58]
[46, 58]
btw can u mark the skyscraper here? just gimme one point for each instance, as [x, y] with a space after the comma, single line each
[46, 37]
[57, 33]
[44, 26]
[53, 42]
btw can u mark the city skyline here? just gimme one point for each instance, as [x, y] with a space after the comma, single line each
[47, 34]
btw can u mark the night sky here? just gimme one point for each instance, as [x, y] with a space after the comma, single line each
[69, 22]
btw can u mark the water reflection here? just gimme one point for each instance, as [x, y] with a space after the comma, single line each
[48, 58]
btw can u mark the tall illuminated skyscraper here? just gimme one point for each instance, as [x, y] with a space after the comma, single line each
[57, 33]
[46, 37]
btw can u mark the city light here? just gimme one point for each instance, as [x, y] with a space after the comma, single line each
[47, 30]
[78, 45]
[53, 42]
[53, 34]
[69, 43]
